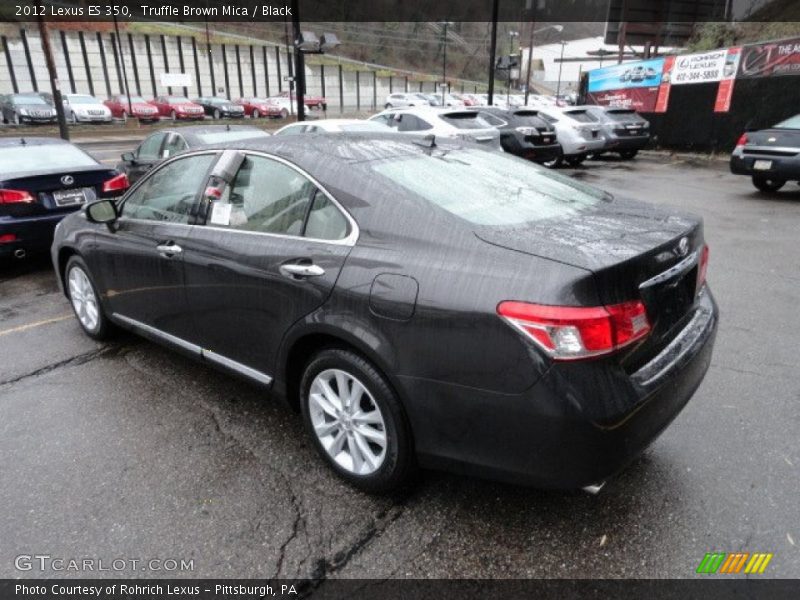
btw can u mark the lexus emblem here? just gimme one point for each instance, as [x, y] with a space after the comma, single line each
[67, 180]
[772, 139]
[682, 249]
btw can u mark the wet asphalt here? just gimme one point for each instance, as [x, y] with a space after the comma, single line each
[128, 450]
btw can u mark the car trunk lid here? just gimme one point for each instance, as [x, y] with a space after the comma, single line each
[633, 250]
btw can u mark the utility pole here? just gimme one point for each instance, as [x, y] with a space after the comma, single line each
[125, 71]
[560, 66]
[290, 63]
[444, 60]
[51, 69]
[300, 65]
[493, 51]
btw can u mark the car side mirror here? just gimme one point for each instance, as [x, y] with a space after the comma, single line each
[102, 211]
[129, 157]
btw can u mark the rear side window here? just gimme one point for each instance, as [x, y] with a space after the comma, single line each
[412, 123]
[169, 194]
[488, 188]
[325, 220]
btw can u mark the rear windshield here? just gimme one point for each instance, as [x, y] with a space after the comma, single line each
[19, 159]
[790, 123]
[621, 114]
[529, 119]
[488, 188]
[465, 120]
[234, 135]
[581, 116]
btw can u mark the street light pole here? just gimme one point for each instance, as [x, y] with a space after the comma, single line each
[300, 65]
[493, 52]
[560, 66]
[55, 88]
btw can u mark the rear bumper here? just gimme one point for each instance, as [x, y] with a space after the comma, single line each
[580, 424]
[782, 167]
[627, 143]
[579, 147]
[32, 233]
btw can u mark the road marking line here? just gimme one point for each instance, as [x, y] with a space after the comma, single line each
[35, 324]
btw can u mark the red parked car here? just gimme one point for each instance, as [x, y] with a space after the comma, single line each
[259, 107]
[138, 108]
[178, 107]
[317, 102]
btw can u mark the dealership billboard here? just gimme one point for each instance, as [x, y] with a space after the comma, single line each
[631, 85]
[770, 59]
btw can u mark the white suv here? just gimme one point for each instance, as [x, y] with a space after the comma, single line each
[405, 100]
[452, 123]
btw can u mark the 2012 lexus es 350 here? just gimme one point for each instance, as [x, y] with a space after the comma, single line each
[421, 302]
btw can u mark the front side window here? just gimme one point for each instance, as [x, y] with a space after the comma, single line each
[175, 143]
[169, 194]
[412, 123]
[150, 148]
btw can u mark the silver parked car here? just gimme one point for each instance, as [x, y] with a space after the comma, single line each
[624, 130]
[577, 131]
[441, 122]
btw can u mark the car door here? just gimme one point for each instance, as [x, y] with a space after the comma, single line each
[139, 260]
[269, 253]
[147, 154]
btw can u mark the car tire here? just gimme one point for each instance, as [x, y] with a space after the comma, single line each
[73, 118]
[173, 115]
[15, 119]
[575, 161]
[216, 113]
[256, 114]
[767, 185]
[85, 300]
[553, 163]
[387, 106]
[628, 154]
[284, 113]
[375, 453]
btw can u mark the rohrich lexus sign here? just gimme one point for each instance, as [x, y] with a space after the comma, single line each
[705, 67]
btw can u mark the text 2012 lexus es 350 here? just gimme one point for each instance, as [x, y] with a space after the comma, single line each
[420, 301]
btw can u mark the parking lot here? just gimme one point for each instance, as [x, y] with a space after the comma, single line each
[129, 450]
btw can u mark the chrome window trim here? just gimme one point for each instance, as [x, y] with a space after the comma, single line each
[213, 357]
[787, 149]
[349, 240]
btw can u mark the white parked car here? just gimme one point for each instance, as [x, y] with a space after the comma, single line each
[332, 126]
[83, 108]
[284, 103]
[577, 131]
[404, 100]
[452, 123]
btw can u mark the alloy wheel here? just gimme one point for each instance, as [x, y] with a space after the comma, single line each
[84, 300]
[347, 422]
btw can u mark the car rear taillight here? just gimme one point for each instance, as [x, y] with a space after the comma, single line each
[118, 183]
[7, 238]
[15, 197]
[742, 140]
[577, 332]
[702, 268]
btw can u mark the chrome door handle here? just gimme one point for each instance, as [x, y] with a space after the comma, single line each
[169, 250]
[296, 271]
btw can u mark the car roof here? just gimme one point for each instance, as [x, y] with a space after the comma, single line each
[30, 141]
[191, 132]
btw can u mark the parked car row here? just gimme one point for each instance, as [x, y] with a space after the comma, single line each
[461, 100]
[37, 107]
